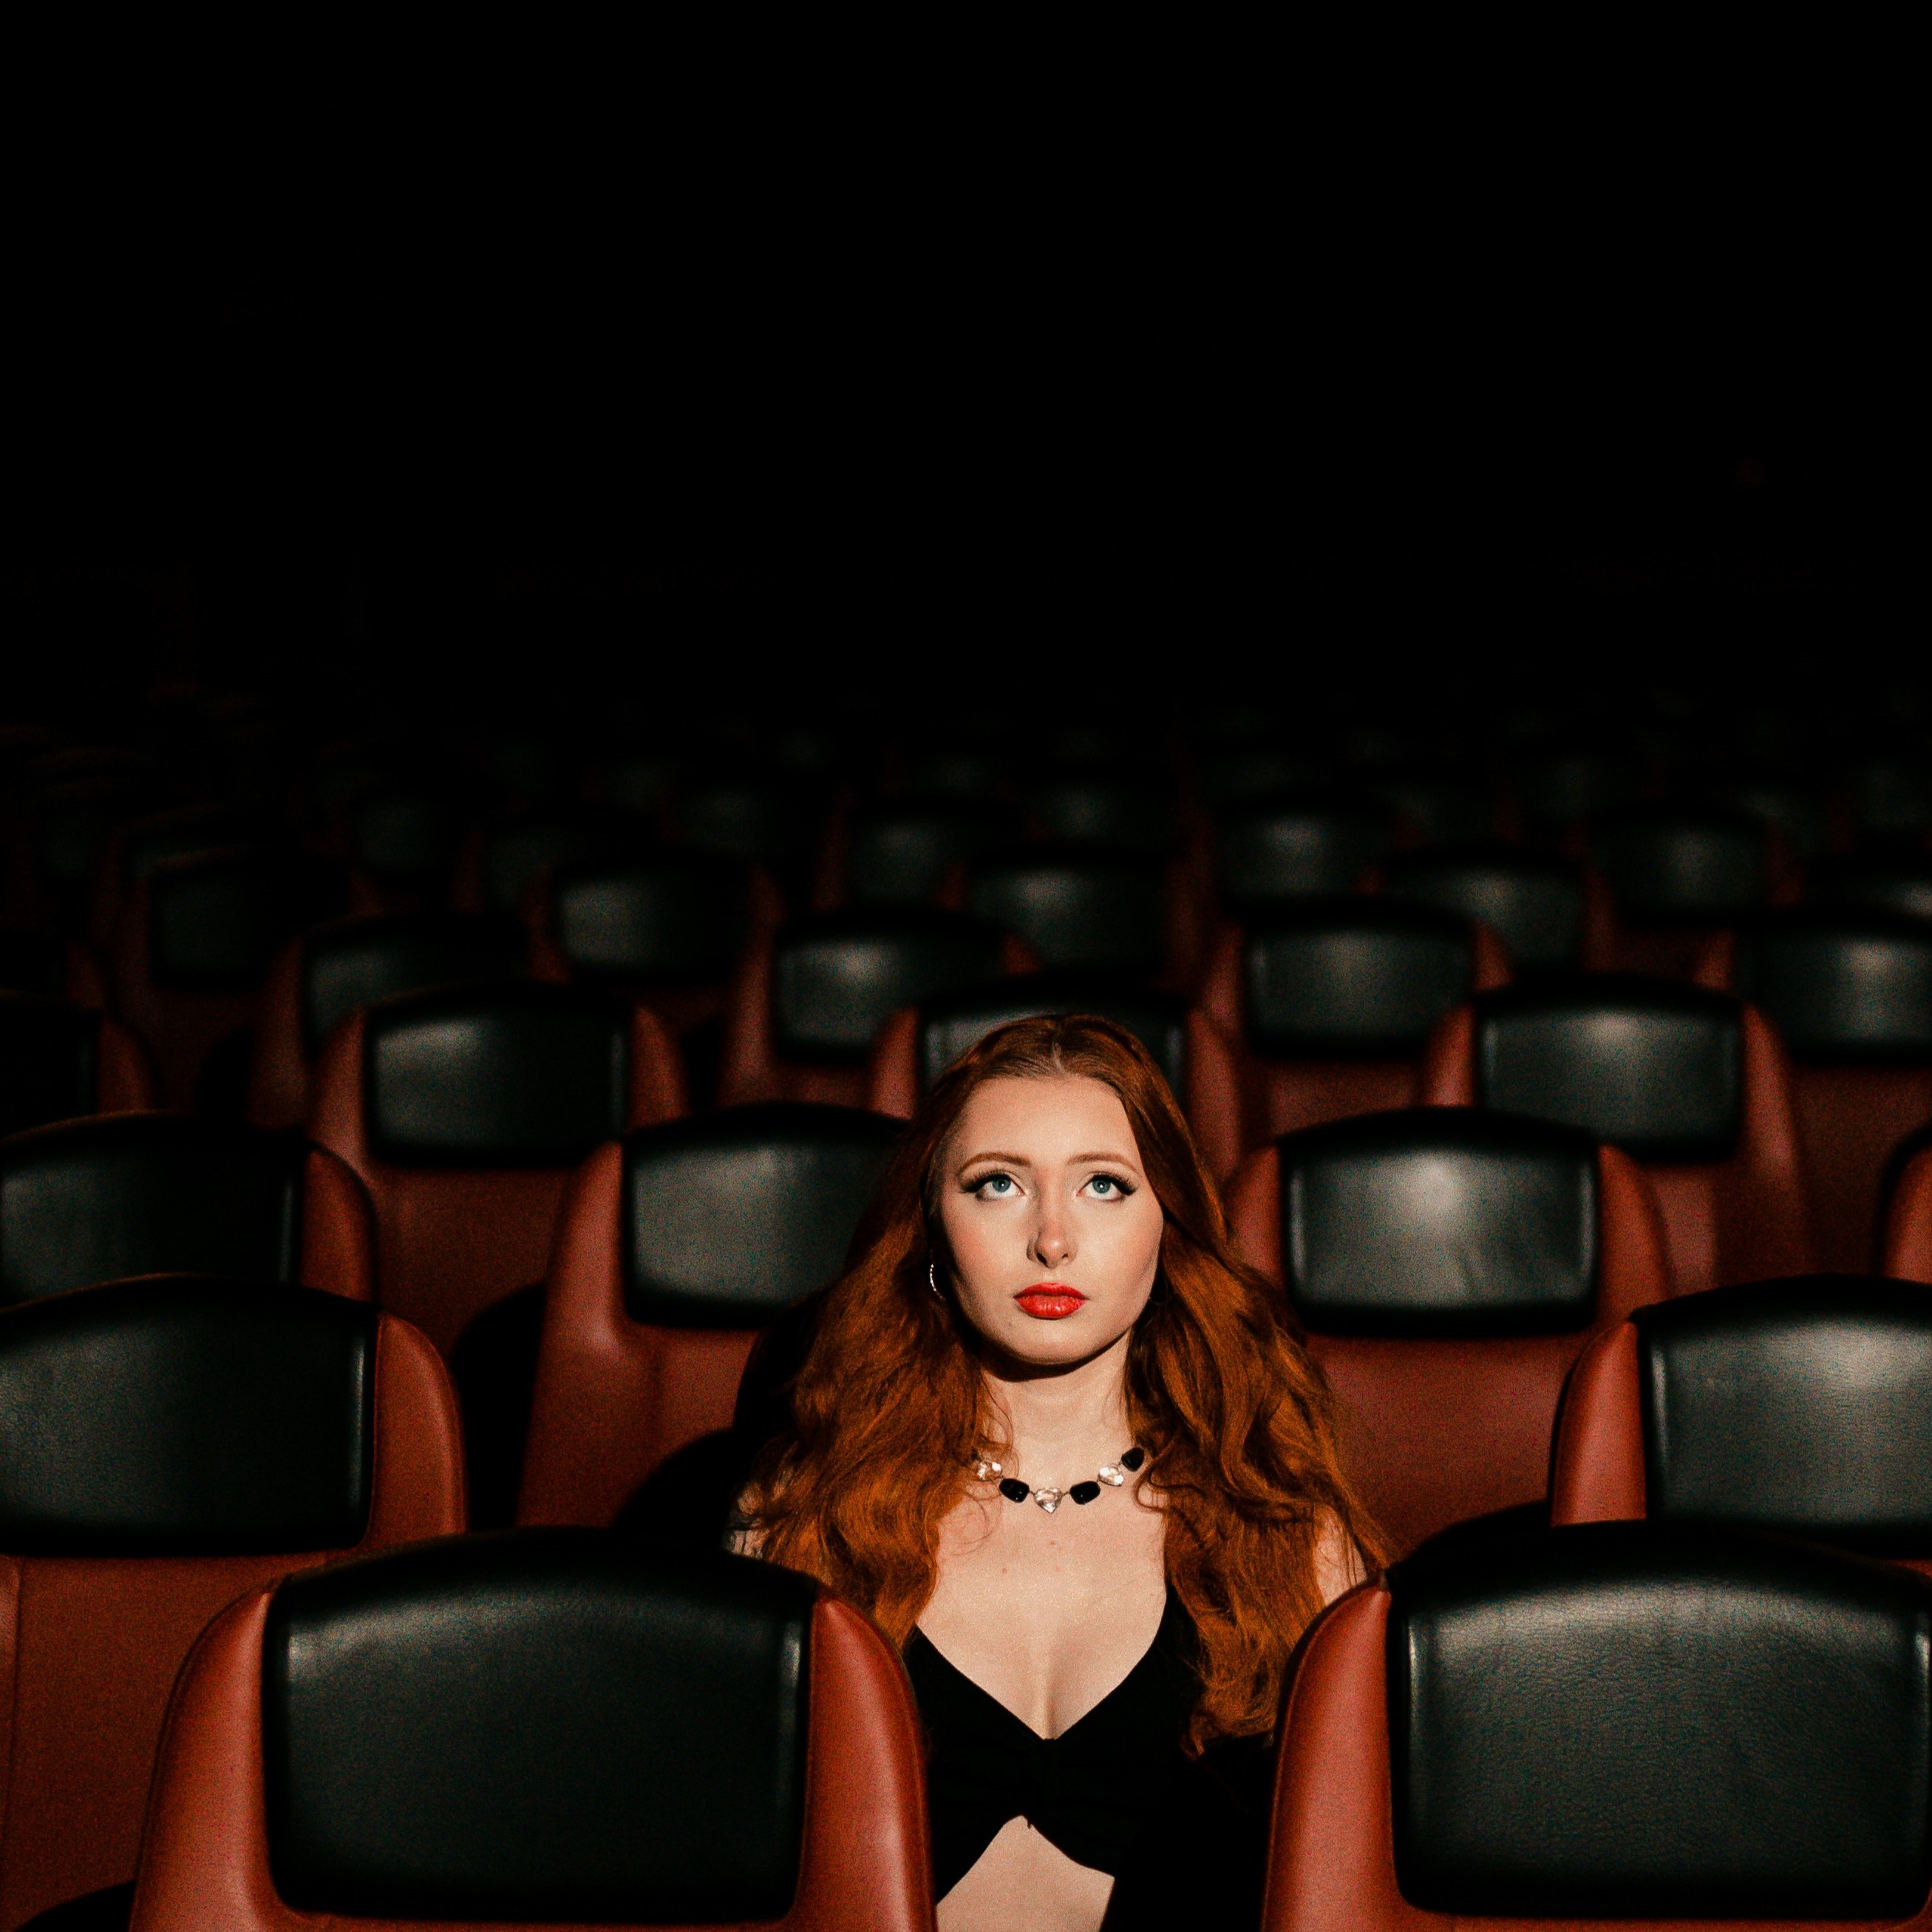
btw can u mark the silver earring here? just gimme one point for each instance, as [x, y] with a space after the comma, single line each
[932, 1281]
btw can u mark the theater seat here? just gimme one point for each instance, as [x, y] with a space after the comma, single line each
[1684, 1724]
[917, 1044]
[1869, 883]
[1851, 993]
[807, 998]
[1295, 847]
[502, 864]
[196, 936]
[910, 854]
[1130, 811]
[58, 1062]
[1328, 1005]
[1086, 908]
[321, 978]
[1908, 1211]
[618, 1734]
[1690, 1083]
[1549, 911]
[677, 1246]
[1677, 877]
[464, 1110]
[1449, 1266]
[403, 844]
[164, 1445]
[96, 1200]
[1802, 1407]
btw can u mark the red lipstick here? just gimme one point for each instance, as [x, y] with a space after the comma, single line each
[1051, 1301]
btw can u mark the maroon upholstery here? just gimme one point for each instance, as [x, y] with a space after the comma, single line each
[90, 1647]
[1908, 1231]
[1745, 1219]
[1437, 1431]
[451, 1241]
[864, 1862]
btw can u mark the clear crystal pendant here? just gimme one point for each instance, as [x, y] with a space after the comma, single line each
[1048, 1499]
[1112, 1475]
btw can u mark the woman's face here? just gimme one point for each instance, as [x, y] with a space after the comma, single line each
[1053, 1232]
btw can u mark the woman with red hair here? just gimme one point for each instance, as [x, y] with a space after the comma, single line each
[1065, 1446]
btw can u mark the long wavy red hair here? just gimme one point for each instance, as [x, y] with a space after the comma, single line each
[890, 1407]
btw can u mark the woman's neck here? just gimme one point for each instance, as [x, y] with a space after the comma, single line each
[1062, 1425]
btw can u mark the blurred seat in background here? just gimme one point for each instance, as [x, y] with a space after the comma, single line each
[134, 849]
[195, 936]
[463, 1110]
[67, 803]
[1557, 793]
[503, 864]
[809, 998]
[1802, 1407]
[909, 855]
[90, 1201]
[1088, 908]
[402, 844]
[1692, 1084]
[59, 1062]
[651, 1313]
[1889, 798]
[728, 1744]
[1132, 809]
[1677, 878]
[1907, 1210]
[1851, 993]
[1328, 1004]
[318, 980]
[1548, 910]
[1297, 848]
[164, 1445]
[1453, 1728]
[1448, 1267]
[918, 1043]
[767, 819]
[1880, 883]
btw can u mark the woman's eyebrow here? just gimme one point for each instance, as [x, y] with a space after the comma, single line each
[1121, 1160]
[1011, 1160]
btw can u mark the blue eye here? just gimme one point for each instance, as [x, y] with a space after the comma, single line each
[1106, 1188]
[995, 1187]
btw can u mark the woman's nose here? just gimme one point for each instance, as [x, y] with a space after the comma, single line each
[1050, 1245]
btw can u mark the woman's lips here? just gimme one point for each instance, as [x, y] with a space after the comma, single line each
[1051, 1301]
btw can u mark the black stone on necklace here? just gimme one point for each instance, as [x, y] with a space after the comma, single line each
[1113, 1474]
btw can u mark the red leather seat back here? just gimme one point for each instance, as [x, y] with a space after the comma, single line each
[650, 1317]
[463, 1111]
[1908, 1225]
[1692, 1084]
[128, 1528]
[618, 1795]
[1422, 1251]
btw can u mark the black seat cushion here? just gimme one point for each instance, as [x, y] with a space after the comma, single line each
[1625, 1720]
[217, 919]
[180, 1416]
[1804, 1405]
[1360, 978]
[121, 1194]
[1902, 884]
[31, 961]
[734, 1217]
[949, 1027]
[1078, 907]
[674, 919]
[1670, 868]
[352, 963]
[1134, 813]
[1655, 1068]
[900, 858]
[548, 1725]
[517, 1075]
[1440, 1221]
[1842, 986]
[838, 976]
[1533, 901]
[1297, 848]
[50, 1064]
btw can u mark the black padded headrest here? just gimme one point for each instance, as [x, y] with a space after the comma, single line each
[1135, 814]
[49, 1061]
[181, 1416]
[546, 1725]
[1899, 885]
[1159, 1021]
[1637, 1720]
[405, 835]
[772, 820]
[514, 1075]
[1360, 977]
[31, 962]
[836, 977]
[1442, 810]
[217, 919]
[1797, 812]
[352, 963]
[676, 918]
[1440, 1221]
[1534, 901]
[1842, 986]
[1891, 798]
[734, 1216]
[1560, 788]
[1296, 848]
[955, 771]
[1654, 1067]
[1666, 867]
[1079, 906]
[901, 857]
[515, 855]
[121, 1194]
[1804, 1405]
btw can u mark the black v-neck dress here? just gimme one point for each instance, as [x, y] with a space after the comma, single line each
[1185, 1838]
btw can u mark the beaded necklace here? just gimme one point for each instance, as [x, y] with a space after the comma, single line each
[1015, 1491]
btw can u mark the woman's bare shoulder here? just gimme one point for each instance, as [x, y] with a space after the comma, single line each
[1339, 1567]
